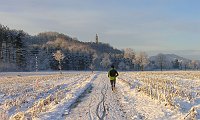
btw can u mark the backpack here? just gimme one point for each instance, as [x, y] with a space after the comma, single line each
[113, 73]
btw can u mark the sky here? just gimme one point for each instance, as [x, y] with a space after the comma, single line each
[153, 26]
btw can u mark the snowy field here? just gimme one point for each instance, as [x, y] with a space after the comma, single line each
[172, 95]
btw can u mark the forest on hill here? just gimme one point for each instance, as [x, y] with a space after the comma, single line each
[20, 51]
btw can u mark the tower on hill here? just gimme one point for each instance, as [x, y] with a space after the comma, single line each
[97, 39]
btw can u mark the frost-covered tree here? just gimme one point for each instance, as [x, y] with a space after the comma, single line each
[141, 60]
[194, 64]
[185, 64]
[93, 63]
[129, 56]
[129, 53]
[106, 61]
[161, 60]
[59, 56]
[94, 60]
[92, 67]
[122, 65]
[176, 64]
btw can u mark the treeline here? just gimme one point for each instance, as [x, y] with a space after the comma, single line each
[20, 51]
[12, 49]
[172, 62]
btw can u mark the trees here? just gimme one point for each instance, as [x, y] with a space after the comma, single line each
[176, 64]
[160, 60]
[16, 49]
[59, 56]
[122, 65]
[2, 31]
[129, 56]
[194, 64]
[20, 51]
[185, 64]
[13, 52]
[106, 61]
[129, 53]
[92, 65]
[141, 60]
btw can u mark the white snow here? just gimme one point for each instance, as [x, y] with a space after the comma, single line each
[88, 96]
[101, 103]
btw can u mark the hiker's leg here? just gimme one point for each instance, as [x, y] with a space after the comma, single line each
[114, 82]
[111, 82]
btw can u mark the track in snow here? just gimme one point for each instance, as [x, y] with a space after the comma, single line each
[100, 104]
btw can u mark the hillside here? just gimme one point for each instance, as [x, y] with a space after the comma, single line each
[55, 40]
[169, 57]
[171, 62]
[78, 55]
[20, 51]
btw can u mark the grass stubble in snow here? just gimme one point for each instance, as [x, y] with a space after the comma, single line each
[176, 93]
[82, 95]
[29, 96]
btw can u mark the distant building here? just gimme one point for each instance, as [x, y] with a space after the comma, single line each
[97, 39]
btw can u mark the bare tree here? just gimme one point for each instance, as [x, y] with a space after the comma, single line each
[185, 64]
[59, 56]
[129, 53]
[194, 64]
[141, 60]
[122, 65]
[92, 67]
[106, 61]
[160, 60]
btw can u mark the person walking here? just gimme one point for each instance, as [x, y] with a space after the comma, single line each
[112, 74]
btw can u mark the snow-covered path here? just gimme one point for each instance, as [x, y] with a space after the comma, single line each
[101, 104]
[89, 96]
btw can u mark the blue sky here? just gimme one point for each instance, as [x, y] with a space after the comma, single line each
[144, 25]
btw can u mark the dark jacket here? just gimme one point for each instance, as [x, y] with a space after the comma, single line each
[113, 77]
